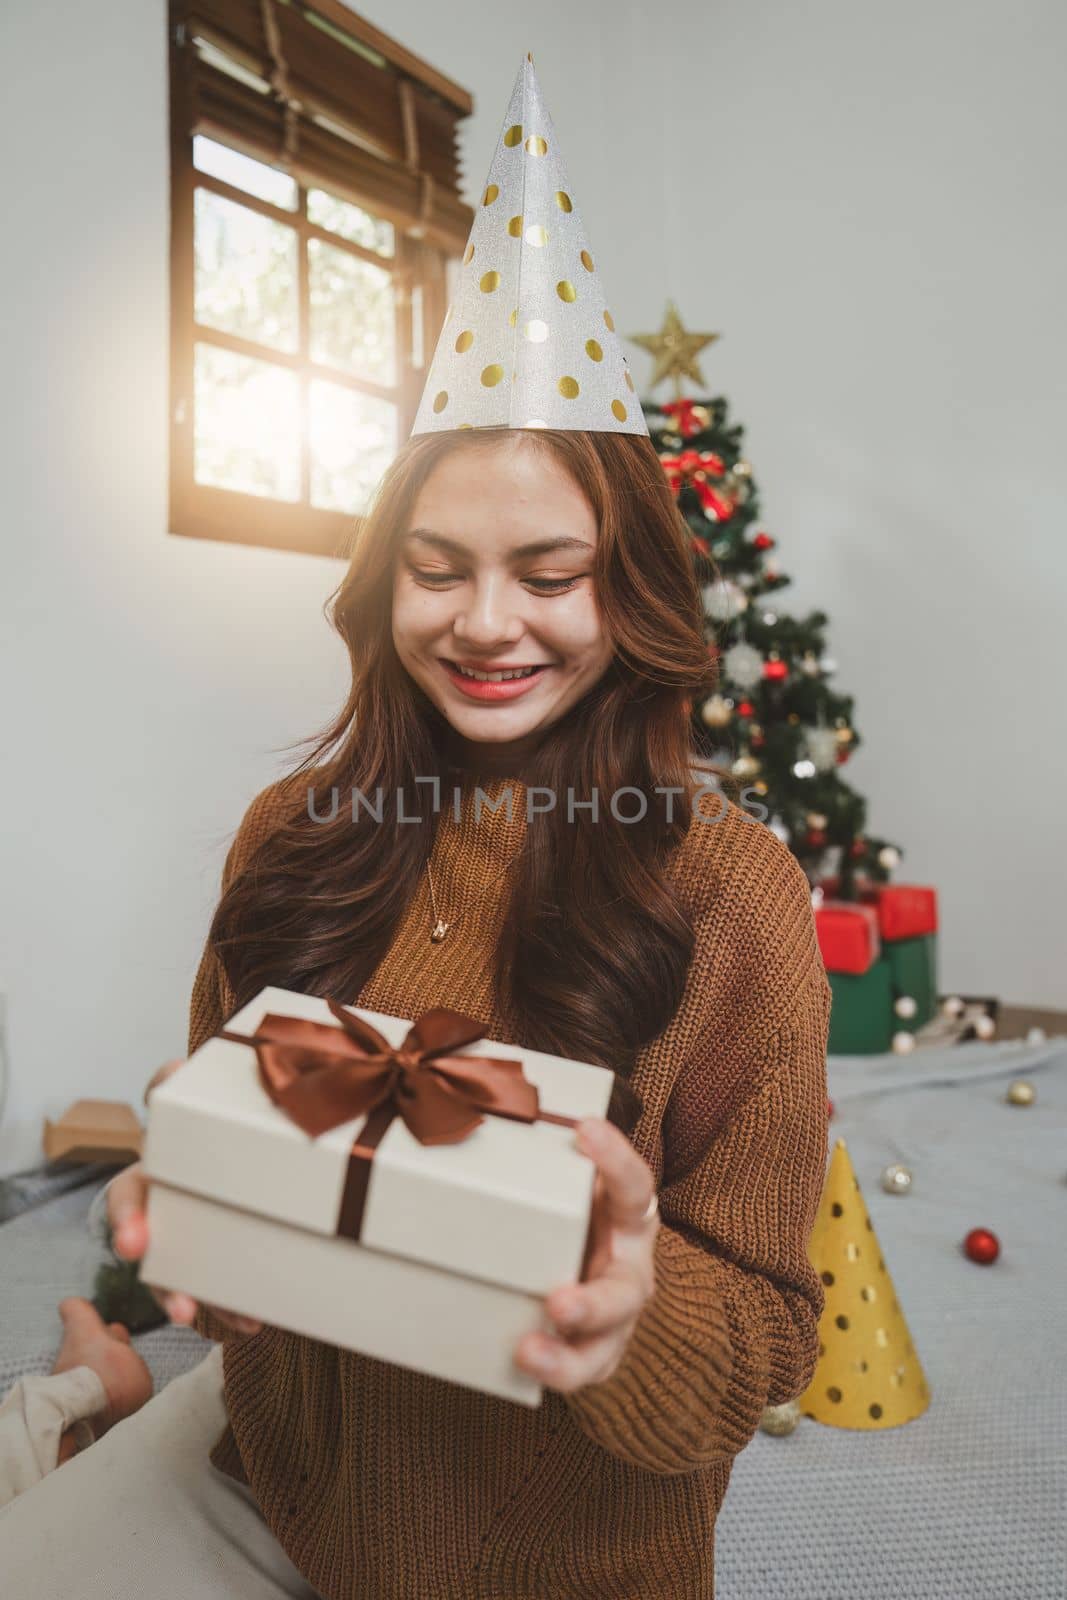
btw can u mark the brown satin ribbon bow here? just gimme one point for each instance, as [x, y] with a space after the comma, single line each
[321, 1076]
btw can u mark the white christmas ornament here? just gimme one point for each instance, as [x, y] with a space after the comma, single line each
[744, 665]
[821, 745]
[724, 600]
[903, 1043]
[528, 341]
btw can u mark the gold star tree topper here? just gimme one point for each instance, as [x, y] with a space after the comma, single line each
[675, 351]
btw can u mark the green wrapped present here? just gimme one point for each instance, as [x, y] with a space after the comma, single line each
[913, 972]
[861, 1015]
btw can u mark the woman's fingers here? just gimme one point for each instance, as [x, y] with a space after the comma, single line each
[614, 1297]
[178, 1306]
[628, 1184]
[182, 1308]
[568, 1365]
[127, 1193]
[234, 1320]
[159, 1077]
[126, 1197]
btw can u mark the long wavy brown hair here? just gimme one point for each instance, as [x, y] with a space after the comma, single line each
[598, 940]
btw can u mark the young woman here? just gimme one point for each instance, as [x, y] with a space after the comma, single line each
[671, 940]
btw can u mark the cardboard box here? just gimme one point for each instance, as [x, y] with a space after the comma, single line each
[92, 1131]
[457, 1245]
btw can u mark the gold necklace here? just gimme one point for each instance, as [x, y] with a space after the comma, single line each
[440, 926]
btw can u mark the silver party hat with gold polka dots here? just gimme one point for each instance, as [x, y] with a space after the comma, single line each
[528, 340]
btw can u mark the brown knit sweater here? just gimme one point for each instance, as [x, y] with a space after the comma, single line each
[385, 1484]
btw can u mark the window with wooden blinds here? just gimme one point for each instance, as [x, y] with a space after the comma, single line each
[315, 209]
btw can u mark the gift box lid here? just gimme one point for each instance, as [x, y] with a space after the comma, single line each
[847, 935]
[509, 1203]
[904, 909]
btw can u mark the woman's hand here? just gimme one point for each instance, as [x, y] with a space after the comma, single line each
[127, 1195]
[597, 1317]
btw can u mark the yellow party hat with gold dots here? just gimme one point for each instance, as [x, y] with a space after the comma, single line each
[528, 341]
[868, 1374]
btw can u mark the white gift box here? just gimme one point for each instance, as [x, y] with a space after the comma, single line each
[459, 1243]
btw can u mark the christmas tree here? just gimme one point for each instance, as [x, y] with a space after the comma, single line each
[776, 718]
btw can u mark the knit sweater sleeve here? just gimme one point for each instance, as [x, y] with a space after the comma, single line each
[212, 1001]
[732, 1323]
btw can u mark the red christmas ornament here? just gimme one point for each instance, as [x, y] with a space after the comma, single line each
[858, 848]
[745, 708]
[815, 839]
[843, 755]
[701, 544]
[829, 1108]
[691, 470]
[763, 541]
[981, 1245]
[777, 671]
[682, 413]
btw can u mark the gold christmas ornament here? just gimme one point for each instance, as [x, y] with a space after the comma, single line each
[745, 766]
[868, 1375]
[1021, 1093]
[716, 711]
[780, 1420]
[536, 346]
[896, 1179]
[675, 350]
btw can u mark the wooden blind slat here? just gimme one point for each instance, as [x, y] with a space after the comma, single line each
[323, 78]
[339, 84]
[232, 26]
[232, 112]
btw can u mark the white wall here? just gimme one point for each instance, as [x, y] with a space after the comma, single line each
[882, 235]
[864, 199]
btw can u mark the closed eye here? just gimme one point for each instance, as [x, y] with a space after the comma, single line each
[438, 580]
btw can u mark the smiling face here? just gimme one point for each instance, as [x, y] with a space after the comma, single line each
[494, 575]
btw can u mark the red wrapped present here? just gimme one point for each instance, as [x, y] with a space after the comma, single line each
[904, 910]
[848, 935]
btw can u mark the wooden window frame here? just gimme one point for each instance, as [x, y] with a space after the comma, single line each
[419, 269]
